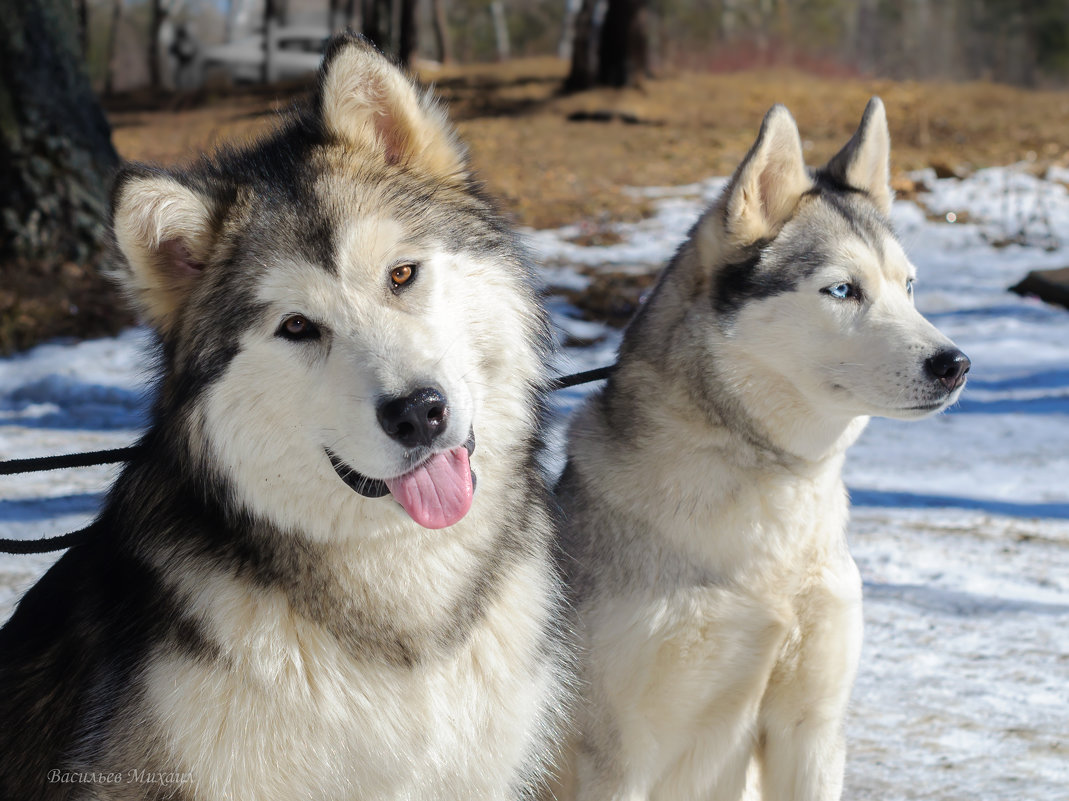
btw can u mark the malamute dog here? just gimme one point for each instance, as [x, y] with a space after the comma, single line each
[328, 573]
[718, 606]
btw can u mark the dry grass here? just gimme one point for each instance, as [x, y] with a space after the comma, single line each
[684, 127]
[549, 171]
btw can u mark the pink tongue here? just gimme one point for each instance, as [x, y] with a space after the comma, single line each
[438, 492]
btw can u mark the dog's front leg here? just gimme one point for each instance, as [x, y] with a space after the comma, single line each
[803, 751]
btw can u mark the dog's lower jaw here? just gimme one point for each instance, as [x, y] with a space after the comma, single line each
[368, 487]
[758, 417]
[376, 487]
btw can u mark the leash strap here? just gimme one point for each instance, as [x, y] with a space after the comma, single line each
[88, 459]
[16, 466]
[23, 547]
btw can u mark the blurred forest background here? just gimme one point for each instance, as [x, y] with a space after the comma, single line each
[566, 104]
[1021, 42]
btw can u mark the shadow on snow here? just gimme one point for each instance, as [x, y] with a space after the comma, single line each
[32, 510]
[955, 602]
[1046, 379]
[1049, 405]
[907, 500]
[74, 405]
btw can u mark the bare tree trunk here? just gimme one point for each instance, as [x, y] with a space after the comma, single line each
[334, 14]
[56, 160]
[395, 27]
[375, 15]
[622, 53]
[391, 25]
[408, 36]
[567, 28]
[501, 30]
[267, 72]
[581, 74]
[113, 39]
[441, 31]
[82, 9]
[638, 44]
[155, 23]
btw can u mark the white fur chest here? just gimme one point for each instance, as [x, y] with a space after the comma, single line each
[777, 528]
[733, 525]
[289, 713]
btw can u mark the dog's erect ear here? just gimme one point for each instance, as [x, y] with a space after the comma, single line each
[164, 231]
[767, 186]
[366, 101]
[865, 162]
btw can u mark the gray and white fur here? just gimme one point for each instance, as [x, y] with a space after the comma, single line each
[259, 614]
[704, 540]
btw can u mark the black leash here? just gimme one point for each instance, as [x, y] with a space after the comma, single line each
[42, 463]
[585, 377]
[23, 547]
[15, 466]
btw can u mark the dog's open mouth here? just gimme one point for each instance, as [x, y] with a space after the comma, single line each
[436, 493]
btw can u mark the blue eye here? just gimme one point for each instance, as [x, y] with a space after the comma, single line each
[842, 291]
[909, 287]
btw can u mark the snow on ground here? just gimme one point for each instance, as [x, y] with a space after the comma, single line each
[960, 523]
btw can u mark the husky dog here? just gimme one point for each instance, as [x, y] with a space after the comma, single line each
[297, 590]
[719, 608]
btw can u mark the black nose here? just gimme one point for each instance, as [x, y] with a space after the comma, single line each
[949, 366]
[415, 419]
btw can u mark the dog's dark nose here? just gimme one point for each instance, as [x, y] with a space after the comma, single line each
[949, 366]
[415, 419]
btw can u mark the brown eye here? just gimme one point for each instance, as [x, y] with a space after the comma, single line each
[298, 327]
[402, 274]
